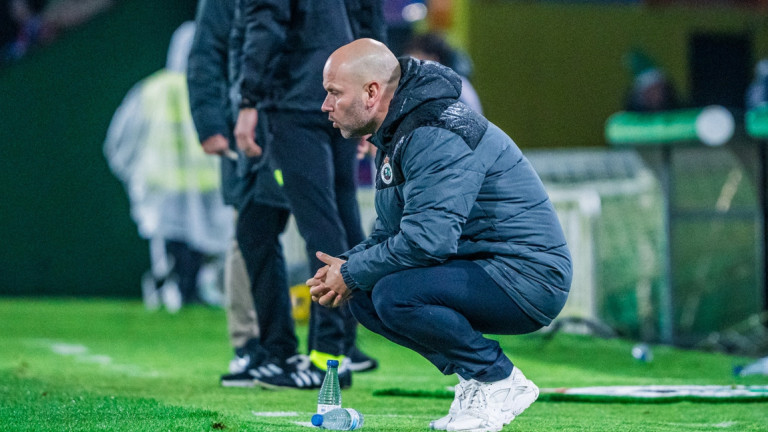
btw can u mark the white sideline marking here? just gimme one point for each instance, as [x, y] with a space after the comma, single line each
[68, 349]
[698, 426]
[296, 414]
[309, 424]
[97, 358]
[81, 353]
[276, 414]
[285, 414]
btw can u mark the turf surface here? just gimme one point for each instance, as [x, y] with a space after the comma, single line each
[98, 365]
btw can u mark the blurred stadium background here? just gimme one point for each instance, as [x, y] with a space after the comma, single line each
[549, 73]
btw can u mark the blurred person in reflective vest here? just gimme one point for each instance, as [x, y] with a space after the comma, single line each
[173, 186]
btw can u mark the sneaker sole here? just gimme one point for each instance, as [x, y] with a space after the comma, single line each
[269, 386]
[242, 384]
[433, 426]
[362, 366]
[272, 386]
[482, 429]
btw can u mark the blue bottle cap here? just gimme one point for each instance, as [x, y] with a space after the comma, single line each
[333, 363]
[317, 420]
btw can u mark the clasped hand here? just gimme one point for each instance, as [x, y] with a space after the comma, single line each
[327, 287]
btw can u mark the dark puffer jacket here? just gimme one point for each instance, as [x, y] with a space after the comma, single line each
[451, 185]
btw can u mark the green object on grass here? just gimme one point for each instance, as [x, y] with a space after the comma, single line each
[757, 122]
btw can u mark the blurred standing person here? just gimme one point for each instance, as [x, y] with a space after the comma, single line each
[285, 47]
[757, 92]
[31, 28]
[173, 186]
[400, 17]
[432, 46]
[7, 24]
[209, 93]
[651, 90]
[259, 314]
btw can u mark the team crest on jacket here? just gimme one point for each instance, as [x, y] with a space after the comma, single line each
[386, 171]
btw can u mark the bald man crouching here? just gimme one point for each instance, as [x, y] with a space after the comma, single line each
[466, 240]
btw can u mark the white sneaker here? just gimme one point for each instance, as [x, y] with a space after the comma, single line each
[461, 390]
[149, 292]
[239, 364]
[171, 296]
[492, 405]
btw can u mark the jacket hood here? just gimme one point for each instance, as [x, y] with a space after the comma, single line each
[178, 49]
[420, 82]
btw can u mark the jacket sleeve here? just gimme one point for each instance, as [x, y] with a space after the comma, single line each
[377, 236]
[265, 32]
[442, 181]
[207, 69]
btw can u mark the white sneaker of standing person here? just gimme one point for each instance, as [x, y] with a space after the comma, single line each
[459, 403]
[171, 295]
[149, 292]
[239, 363]
[491, 405]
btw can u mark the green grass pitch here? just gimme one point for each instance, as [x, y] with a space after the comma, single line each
[106, 365]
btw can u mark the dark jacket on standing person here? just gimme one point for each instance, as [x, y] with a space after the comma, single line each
[286, 44]
[207, 69]
[452, 185]
[211, 84]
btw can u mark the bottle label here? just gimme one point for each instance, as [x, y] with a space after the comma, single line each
[354, 419]
[324, 408]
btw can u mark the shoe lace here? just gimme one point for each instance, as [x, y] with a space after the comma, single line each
[304, 374]
[460, 390]
[239, 363]
[477, 399]
[299, 361]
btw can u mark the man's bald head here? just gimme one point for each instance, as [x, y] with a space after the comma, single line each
[360, 78]
[365, 60]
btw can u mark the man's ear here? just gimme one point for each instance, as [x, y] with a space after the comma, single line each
[373, 93]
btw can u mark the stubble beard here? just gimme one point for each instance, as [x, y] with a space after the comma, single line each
[358, 124]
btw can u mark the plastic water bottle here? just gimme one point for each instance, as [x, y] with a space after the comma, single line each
[760, 367]
[329, 396]
[339, 419]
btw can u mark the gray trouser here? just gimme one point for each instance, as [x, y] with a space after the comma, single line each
[241, 316]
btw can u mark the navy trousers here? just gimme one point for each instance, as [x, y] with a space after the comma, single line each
[319, 169]
[258, 230]
[186, 266]
[442, 312]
